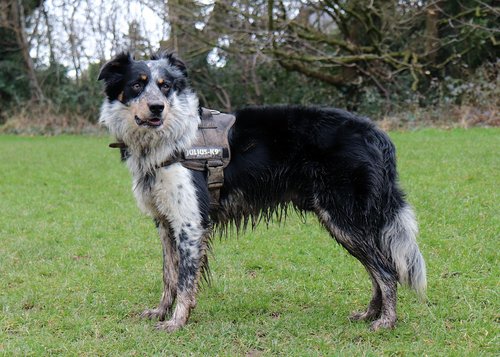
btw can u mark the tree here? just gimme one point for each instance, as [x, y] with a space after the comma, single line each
[14, 43]
[136, 42]
[352, 44]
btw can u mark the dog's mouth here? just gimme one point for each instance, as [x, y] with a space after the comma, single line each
[152, 122]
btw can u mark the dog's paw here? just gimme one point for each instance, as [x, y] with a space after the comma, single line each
[169, 326]
[383, 323]
[156, 313]
[367, 315]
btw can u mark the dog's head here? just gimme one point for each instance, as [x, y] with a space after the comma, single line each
[147, 98]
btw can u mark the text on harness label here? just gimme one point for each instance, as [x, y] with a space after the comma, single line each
[203, 153]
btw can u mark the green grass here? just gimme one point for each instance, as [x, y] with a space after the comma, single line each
[78, 262]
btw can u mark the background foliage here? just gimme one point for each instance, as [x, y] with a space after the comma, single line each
[379, 58]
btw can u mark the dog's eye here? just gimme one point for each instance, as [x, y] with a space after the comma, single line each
[165, 86]
[137, 86]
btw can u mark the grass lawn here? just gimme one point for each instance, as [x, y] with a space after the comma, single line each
[78, 262]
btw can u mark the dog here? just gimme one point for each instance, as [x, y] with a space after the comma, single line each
[327, 161]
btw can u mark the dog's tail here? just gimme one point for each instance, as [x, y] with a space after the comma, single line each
[399, 242]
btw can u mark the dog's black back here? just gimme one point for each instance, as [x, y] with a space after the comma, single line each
[297, 155]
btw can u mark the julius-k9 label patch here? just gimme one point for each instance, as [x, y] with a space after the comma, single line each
[203, 153]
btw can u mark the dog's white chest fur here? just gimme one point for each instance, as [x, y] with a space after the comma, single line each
[171, 194]
[144, 197]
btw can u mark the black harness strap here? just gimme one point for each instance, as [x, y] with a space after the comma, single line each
[118, 145]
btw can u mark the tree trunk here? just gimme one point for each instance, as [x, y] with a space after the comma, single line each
[182, 19]
[431, 31]
[18, 21]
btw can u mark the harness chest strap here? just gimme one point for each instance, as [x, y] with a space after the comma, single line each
[210, 150]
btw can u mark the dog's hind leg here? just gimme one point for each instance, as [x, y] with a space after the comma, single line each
[382, 307]
[388, 288]
[398, 246]
[170, 273]
[374, 307]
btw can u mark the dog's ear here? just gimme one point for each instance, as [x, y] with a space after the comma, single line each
[113, 72]
[116, 67]
[173, 59]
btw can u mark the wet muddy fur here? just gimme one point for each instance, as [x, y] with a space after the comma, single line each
[322, 160]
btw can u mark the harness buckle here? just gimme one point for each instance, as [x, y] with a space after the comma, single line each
[215, 176]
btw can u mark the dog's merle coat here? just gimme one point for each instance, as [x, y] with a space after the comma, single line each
[321, 160]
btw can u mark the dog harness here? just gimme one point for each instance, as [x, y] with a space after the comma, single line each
[210, 151]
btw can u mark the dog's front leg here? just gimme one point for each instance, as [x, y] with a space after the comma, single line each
[182, 198]
[191, 250]
[170, 272]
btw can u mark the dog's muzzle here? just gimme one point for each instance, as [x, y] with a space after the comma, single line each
[152, 122]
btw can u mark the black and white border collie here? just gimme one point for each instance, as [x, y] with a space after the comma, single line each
[322, 160]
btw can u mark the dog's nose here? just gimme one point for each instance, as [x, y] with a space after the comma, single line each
[156, 108]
